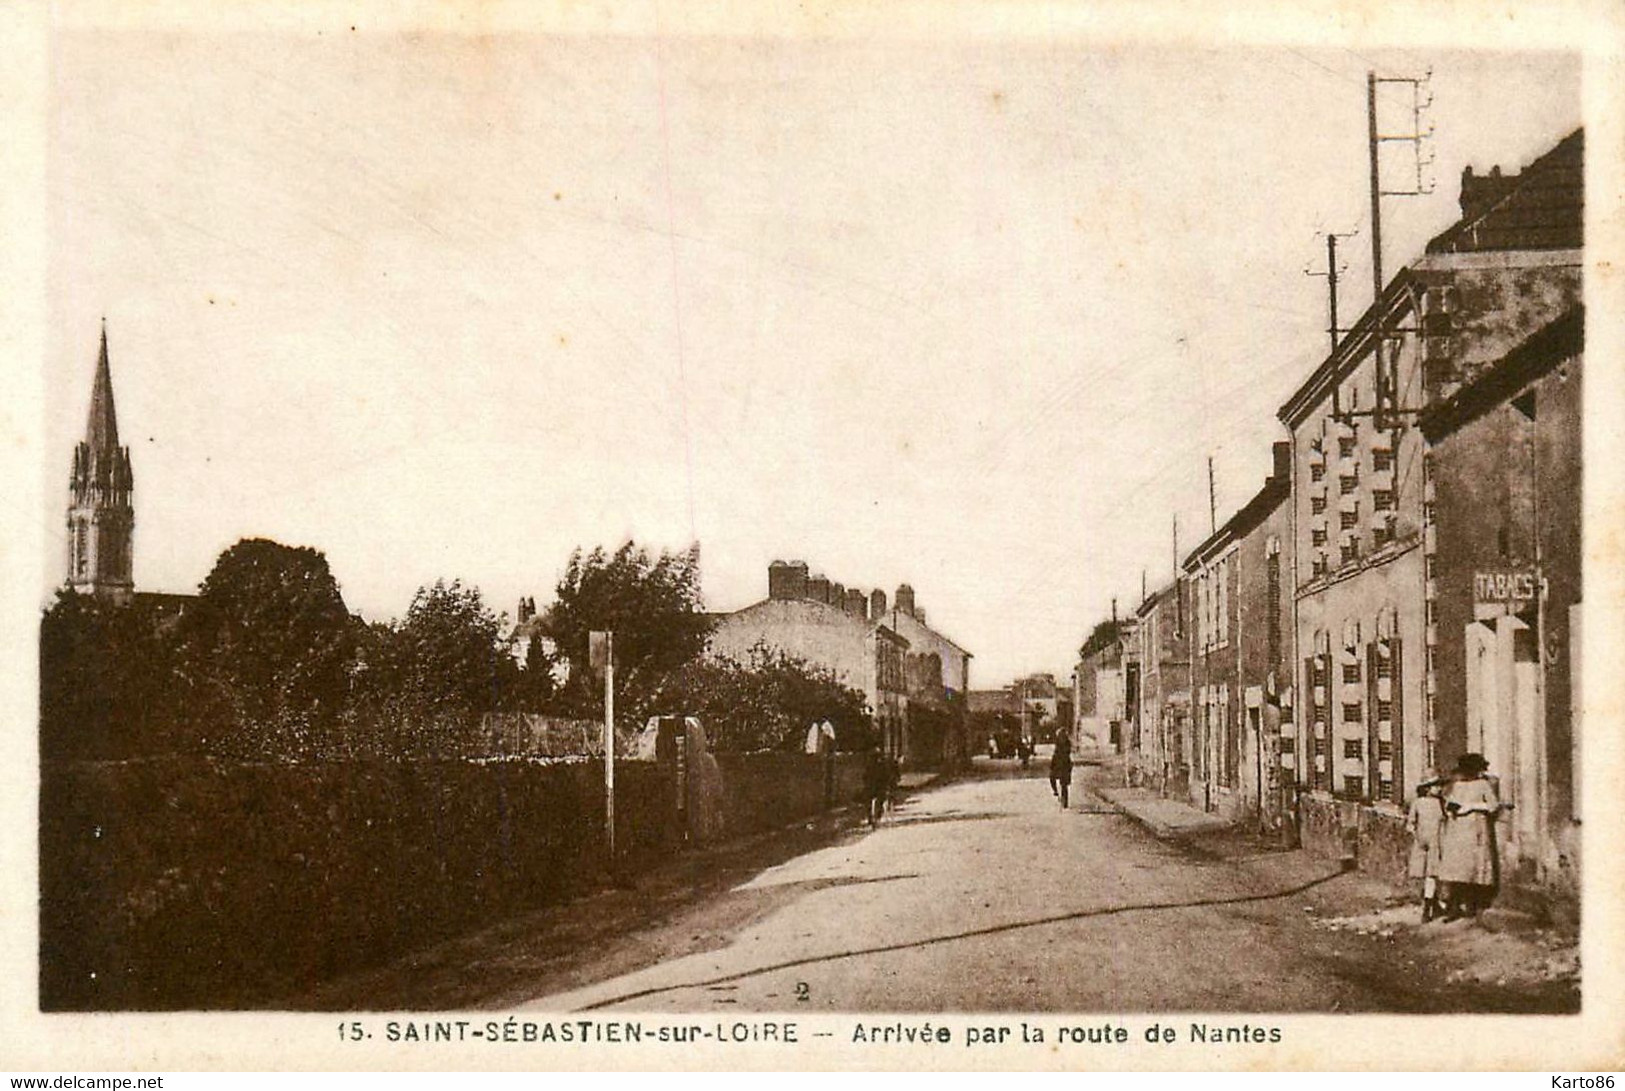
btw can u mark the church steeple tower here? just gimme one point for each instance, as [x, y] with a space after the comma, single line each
[101, 517]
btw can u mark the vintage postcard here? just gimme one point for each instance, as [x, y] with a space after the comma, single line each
[807, 536]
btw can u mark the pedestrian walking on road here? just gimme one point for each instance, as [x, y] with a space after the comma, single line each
[1469, 865]
[1425, 817]
[876, 783]
[1060, 768]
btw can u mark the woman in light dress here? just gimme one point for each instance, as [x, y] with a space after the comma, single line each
[1469, 867]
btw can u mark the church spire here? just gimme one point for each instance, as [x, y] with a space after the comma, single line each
[101, 432]
[101, 515]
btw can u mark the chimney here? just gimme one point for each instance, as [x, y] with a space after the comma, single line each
[787, 580]
[1283, 461]
[877, 604]
[1480, 191]
[853, 603]
[818, 589]
[919, 615]
[905, 599]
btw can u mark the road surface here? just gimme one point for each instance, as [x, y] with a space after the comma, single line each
[980, 895]
[984, 896]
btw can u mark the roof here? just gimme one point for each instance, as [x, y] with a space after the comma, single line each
[993, 700]
[1540, 208]
[1157, 598]
[830, 610]
[1562, 339]
[897, 615]
[1243, 522]
[1349, 352]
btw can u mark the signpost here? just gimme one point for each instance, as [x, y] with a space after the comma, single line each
[601, 654]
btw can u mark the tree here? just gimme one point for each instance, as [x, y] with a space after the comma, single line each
[764, 703]
[538, 684]
[111, 682]
[271, 627]
[652, 605]
[446, 653]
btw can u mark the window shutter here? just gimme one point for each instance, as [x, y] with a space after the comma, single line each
[1396, 694]
[1373, 748]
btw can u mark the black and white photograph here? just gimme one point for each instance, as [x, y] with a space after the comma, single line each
[717, 529]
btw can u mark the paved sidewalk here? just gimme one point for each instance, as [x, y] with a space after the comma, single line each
[1167, 818]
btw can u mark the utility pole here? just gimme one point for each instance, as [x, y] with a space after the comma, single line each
[1212, 500]
[1332, 272]
[1382, 417]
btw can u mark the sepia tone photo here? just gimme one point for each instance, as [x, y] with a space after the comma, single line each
[750, 526]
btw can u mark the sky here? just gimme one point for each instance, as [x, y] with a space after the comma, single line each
[967, 314]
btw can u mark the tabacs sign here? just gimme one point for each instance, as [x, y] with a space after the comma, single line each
[1504, 590]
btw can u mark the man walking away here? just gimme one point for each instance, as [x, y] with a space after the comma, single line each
[876, 783]
[1060, 768]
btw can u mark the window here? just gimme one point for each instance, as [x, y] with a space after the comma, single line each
[1352, 712]
[1385, 750]
[1385, 710]
[1317, 504]
[1348, 484]
[1288, 744]
[1382, 458]
[1345, 446]
[1317, 471]
[1348, 519]
[1385, 788]
[81, 546]
[1351, 672]
[1317, 536]
[1353, 748]
[1319, 567]
[1320, 673]
[1383, 499]
[1385, 666]
[1352, 786]
[1382, 534]
[1351, 551]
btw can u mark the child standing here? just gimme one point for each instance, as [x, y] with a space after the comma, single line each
[1423, 821]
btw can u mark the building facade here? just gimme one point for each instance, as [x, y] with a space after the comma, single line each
[1505, 480]
[1239, 661]
[913, 677]
[1100, 687]
[1158, 745]
[1363, 545]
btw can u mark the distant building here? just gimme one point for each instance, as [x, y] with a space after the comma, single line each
[1157, 746]
[1099, 685]
[913, 677]
[101, 490]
